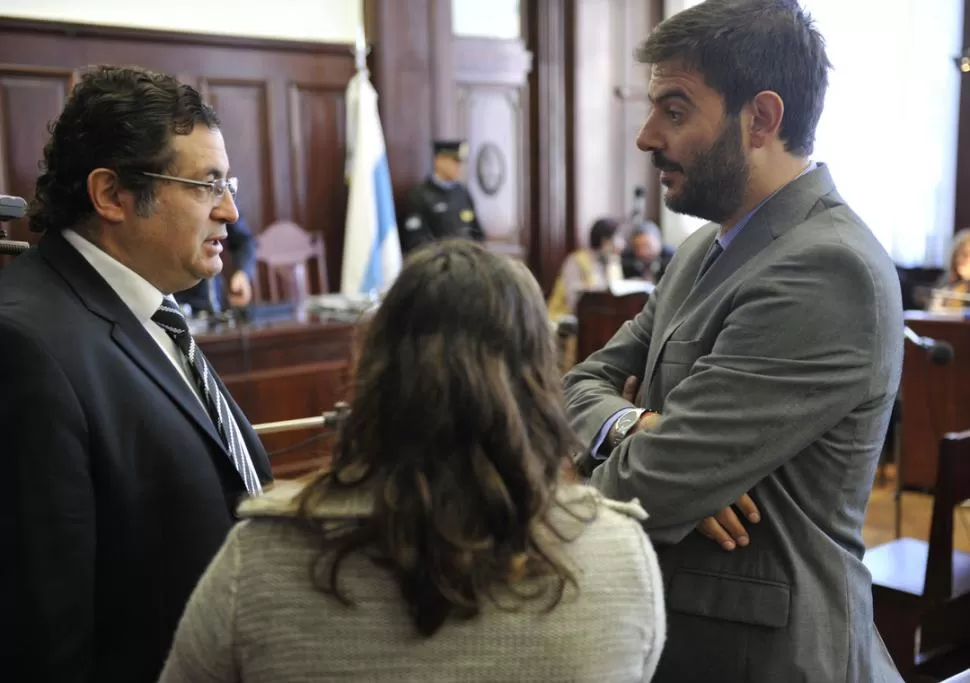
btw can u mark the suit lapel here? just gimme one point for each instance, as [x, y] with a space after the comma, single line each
[785, 210]
[126, 331]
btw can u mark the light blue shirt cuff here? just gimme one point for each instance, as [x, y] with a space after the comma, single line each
[601, 437]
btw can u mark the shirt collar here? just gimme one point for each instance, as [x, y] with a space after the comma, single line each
[729, 236]
[142, 297]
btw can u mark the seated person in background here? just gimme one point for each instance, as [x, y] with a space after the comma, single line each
[587, 269]
[446, 542]
[956, 279]
[207, 295]
[646, 257]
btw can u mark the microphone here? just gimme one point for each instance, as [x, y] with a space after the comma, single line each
[941, 352]
[639, 205]
[11, 208]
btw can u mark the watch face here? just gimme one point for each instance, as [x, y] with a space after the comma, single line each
[625, 422]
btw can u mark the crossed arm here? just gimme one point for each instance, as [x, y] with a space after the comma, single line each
[793, 358]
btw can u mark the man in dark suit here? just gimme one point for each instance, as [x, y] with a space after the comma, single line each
[646, 257]
[124, 454]
[441, 207]
[211, 295]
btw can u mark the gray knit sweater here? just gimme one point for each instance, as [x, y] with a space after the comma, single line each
[256, 618]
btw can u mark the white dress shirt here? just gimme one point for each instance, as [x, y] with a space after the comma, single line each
[142, 297]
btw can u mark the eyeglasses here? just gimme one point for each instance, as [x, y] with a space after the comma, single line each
[217, 187]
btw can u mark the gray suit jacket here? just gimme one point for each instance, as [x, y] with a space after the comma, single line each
[775, 375]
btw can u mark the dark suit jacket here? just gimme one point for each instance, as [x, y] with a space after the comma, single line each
[118, 490]
[242, 246]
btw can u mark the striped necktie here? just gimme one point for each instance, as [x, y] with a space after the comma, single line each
[170, 319]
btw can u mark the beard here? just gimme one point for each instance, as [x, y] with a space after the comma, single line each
[714, 181]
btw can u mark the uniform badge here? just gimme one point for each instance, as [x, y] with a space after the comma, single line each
[440, 207]
[412, 223]
[467, 215]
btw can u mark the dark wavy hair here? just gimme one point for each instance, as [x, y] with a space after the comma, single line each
[457, 428]
[743, 47]
[119, 118]
[603, 230]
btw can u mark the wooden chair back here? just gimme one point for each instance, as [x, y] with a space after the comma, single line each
[286, 251]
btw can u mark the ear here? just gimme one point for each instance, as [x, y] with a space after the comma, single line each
[106, 195]
[767, 111]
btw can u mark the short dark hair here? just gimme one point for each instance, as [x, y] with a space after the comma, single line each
[120, 118]
[743, 47]
[604, 229]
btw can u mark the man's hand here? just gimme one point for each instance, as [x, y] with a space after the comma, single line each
[648, 420]
[726, 529]
[240, 290]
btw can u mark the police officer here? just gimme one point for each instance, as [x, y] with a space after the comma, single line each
[441, 206]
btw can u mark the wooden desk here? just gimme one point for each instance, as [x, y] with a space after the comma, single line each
[935, 399]
[598, 317]
[284, 370]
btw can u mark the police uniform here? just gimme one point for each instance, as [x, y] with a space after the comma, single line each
[438, 210]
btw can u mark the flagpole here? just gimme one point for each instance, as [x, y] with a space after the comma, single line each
[360, 50]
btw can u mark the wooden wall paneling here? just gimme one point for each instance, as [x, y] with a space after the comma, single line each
[254, 83]
[30, 96]
[444, 55]
[243, 108]
[401, 68]
[318, 142]
[549, 34]
[962, 212]
[492, 93]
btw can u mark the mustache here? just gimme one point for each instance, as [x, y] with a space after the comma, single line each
[662, 163]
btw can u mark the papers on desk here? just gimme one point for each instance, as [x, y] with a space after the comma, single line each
[624, 287]
[342, 303]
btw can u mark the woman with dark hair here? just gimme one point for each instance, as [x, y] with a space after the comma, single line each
[444, 544]
[956, 278]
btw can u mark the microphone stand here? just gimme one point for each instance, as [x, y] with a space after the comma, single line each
[330, 419]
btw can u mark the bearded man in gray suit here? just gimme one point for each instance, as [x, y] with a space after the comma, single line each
[761, 374]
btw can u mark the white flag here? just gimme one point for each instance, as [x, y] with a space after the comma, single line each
[372, 248]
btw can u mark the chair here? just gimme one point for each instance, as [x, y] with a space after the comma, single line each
[285, 249]
[924, 588]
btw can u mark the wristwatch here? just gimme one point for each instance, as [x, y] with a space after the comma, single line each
[623, 425]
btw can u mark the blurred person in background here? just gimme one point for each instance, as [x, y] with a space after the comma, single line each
[590, 268]
[646, 257]
[956, 278]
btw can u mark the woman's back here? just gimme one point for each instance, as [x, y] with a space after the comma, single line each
[257, 617]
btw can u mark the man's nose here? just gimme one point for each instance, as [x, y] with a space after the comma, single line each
[648, 140]
[226, 211]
